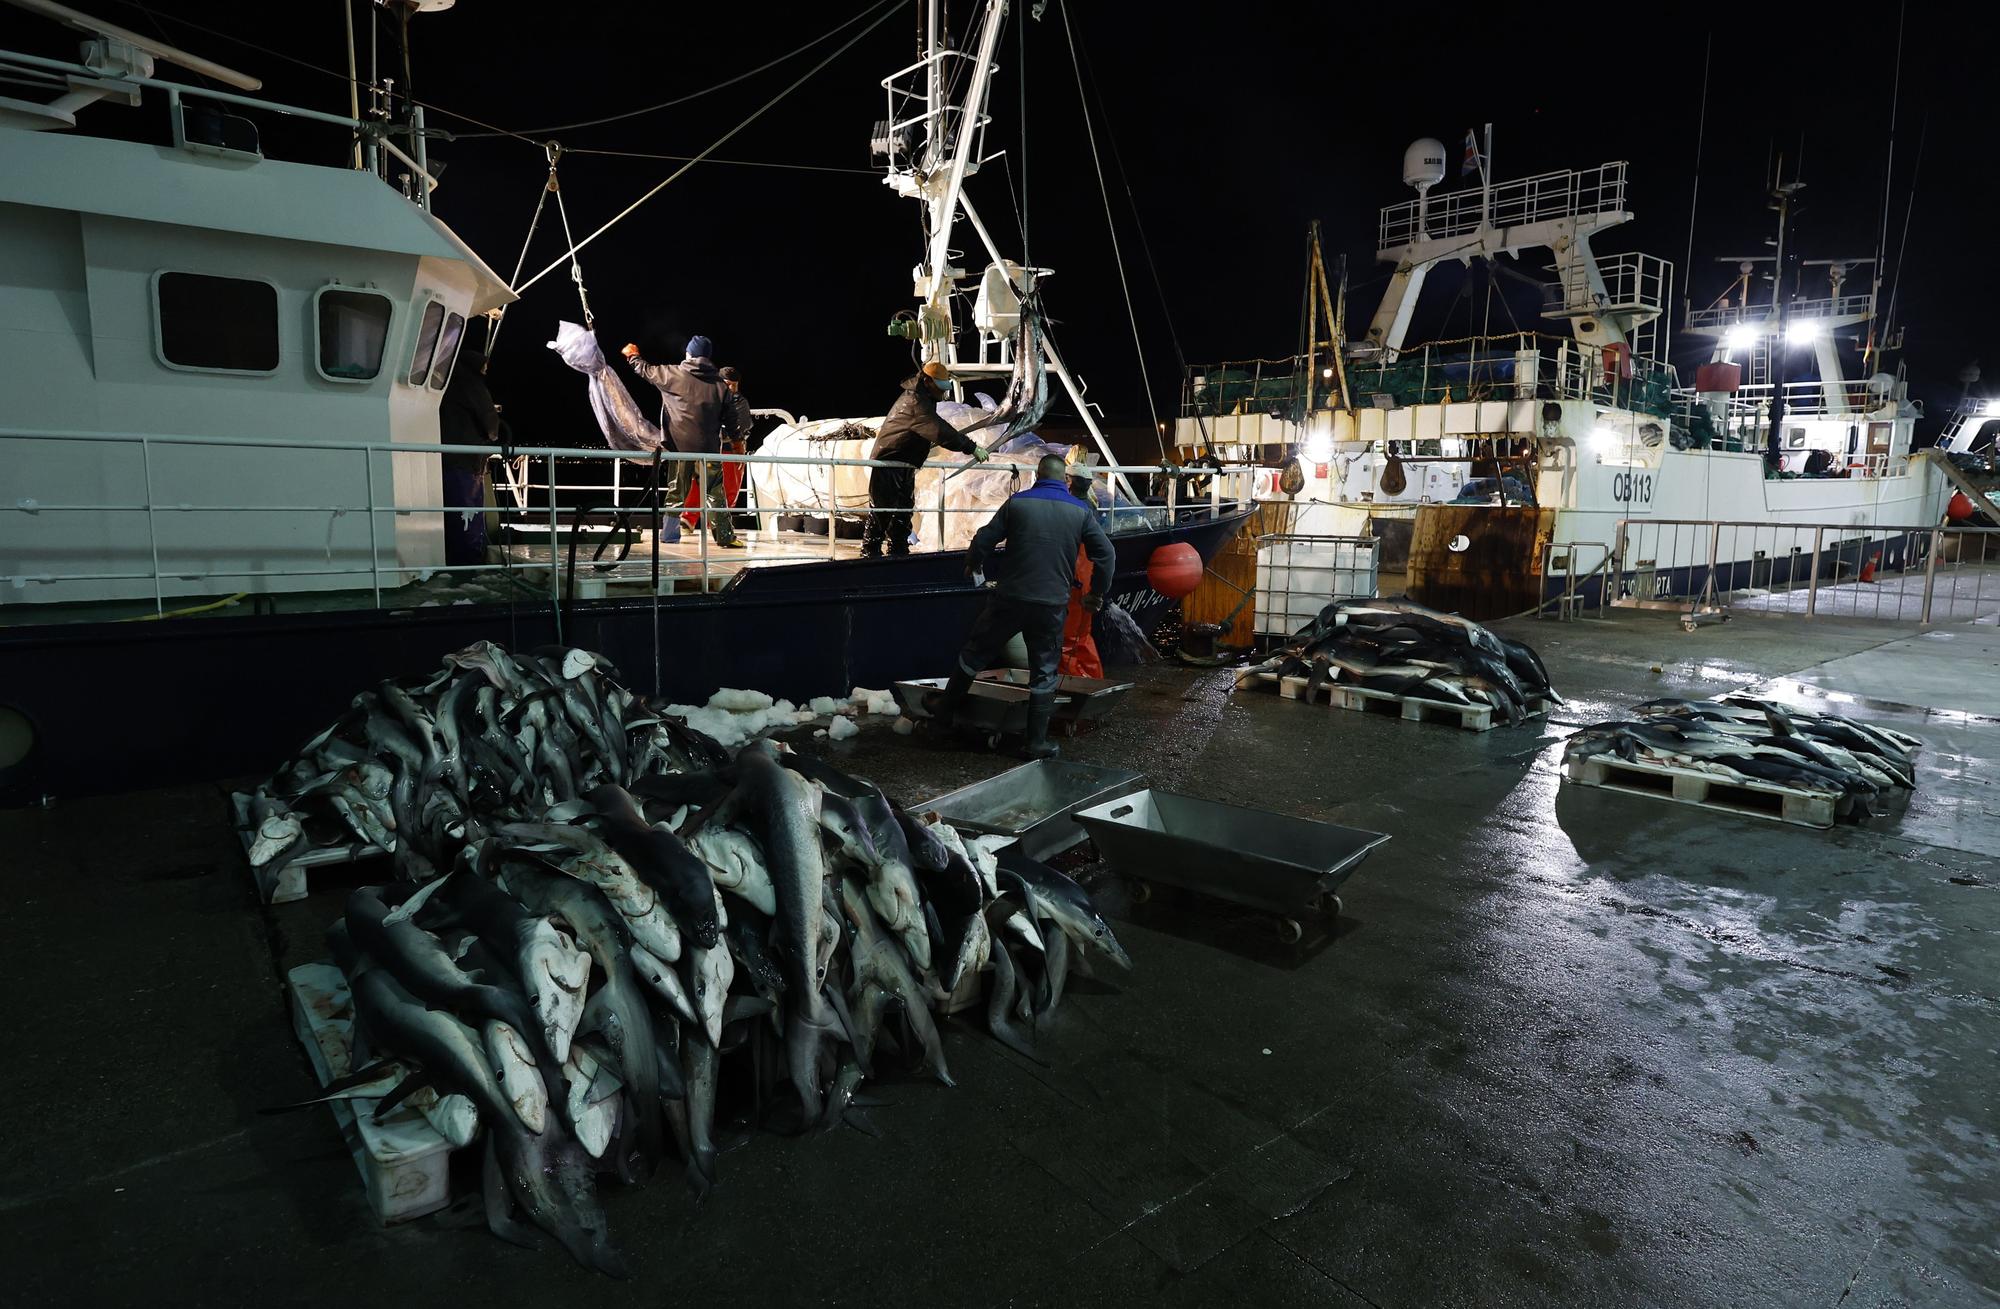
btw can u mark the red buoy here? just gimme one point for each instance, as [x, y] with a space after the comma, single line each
[1174, 570]
[1959, 508]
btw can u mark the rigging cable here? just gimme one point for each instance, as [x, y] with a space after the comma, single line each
[1700, 135]
[500, 314]
[1888, 177]
[719, 142]
[1159, 431]
[1896, 284]
[692, 95]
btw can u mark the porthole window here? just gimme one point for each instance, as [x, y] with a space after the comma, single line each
[427, 336]
[447, 351]
[353, 332]
[216, 324]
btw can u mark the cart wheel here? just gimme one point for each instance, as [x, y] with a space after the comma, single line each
[1289, 931]
[1141, 891]
[993, 741]
[1331, 907]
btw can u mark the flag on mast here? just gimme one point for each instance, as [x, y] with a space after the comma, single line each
[1475, 158]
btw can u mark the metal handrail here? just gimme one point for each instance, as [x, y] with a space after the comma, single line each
[371, 453]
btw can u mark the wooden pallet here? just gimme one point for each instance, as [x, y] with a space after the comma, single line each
[1689, 786]
[404, 1161]
[291, 881]
[1410, 708]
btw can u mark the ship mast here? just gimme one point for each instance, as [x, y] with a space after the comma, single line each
[924, 98]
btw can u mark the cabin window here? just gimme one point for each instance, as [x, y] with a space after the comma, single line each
[353, 331]
[427, 336]
[447, 351]
[216, 324]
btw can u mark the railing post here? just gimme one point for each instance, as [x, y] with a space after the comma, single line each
[658, 523]
[1930, 574]
[1714, 541]
[152, 529]
[1812, 578]
[701, 515]
[1173, 499]
[555, 552]
[940, 511]
[374, 549]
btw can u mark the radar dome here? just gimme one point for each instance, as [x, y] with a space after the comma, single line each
[1423, 163]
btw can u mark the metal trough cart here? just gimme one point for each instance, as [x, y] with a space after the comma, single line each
[1282, 865]
[998, 702]
[1035, 803]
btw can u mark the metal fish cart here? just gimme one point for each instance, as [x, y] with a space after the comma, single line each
[998, 702]
[1036, 803]
[1282, 865]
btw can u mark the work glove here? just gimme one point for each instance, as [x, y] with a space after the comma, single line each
[978, 576]
[978, 455]
[630, 351]
[1093, 602]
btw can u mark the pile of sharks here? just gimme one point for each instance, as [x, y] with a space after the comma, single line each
[1742, 737]
[567, 960]
[1400, 647]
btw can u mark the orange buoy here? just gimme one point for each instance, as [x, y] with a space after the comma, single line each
[1958, 509]
[1174, 570]
[1868, 569]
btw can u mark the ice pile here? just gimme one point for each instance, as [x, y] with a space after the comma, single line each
[733, 715]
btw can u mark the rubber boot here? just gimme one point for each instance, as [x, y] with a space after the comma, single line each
[1036, 744]
[943, 705]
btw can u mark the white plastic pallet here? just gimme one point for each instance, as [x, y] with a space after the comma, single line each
[291, 883]
[1750, 797]
[404, 1161]
[1410, 708]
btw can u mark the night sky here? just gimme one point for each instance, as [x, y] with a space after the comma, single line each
[1234, 126]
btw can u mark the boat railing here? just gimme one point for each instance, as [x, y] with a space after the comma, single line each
[361, 507]
[1566, 193]
[1723, 316]
[1925, 574]
[1516, 366]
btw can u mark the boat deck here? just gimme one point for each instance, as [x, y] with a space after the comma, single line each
[679, 560]
[1602, 1050]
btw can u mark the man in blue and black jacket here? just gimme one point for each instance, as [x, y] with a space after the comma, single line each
[1042, 526]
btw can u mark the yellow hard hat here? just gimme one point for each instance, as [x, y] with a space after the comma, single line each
[936, 371]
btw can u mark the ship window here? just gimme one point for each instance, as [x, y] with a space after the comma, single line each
[353, 329]
[427, 335]
[217, 324]
[447, 350]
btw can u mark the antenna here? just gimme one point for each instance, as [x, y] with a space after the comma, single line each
[83, 22]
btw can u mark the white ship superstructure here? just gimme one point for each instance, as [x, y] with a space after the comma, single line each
[1593, 424]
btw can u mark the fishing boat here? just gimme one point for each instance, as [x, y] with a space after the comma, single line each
[223, 508]
[1508, 467]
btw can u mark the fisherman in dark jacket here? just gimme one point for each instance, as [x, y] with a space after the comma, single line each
[700, 408]
[909, 434]
[1043, 527]
[466, 416]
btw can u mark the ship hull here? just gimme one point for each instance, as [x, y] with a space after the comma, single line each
[119, 706]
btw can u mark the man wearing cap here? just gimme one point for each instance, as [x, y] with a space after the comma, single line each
[700, 408]
[1046, 530]
[909, 434]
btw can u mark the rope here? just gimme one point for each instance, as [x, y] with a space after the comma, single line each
[692, 95]
[719, 142]
[575, 266]
[1888, 168]
[744, 163]
[1896, 284]
[1112, 223]
[534, 223]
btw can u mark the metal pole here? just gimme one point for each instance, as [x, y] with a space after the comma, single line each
[555, 592]
[701, 516]
[152, 531]
[657, 525]
[1812, 579]
[1930, 574]
[941, 530]
[353, 82]
[374, 549]
[422, 152]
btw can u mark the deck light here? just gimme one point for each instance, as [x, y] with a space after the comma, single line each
[1801, 330]
[1740, 337]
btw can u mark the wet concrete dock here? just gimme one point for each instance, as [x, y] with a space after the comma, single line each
[1566, 1047]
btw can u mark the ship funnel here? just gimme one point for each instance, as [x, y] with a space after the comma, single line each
[1423, 163]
